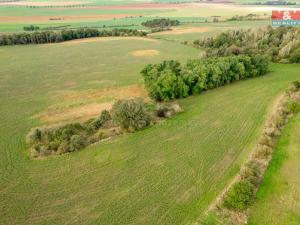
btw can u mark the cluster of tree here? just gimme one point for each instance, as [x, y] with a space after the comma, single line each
[162, 22]
[171, 80]
[66, 138]
[281, 44]
[31, 28]
[251, 16]
[130, 115]
[64, 35]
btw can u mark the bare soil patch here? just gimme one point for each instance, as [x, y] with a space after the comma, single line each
[145, 53]
[97, 39]
[83, 105]
[181, 30]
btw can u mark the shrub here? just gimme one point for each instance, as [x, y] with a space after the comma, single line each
[77, 142]
[240, 195]
[295, 56]
[34, 136]
[161, 110]
[131, 114]
[293, 107]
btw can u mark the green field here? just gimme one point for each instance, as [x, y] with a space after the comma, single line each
[278, 201]
[166, 174]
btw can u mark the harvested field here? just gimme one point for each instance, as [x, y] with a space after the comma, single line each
[105, 39]
[183, 30]
[145, 53]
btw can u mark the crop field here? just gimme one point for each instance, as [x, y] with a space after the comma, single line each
[161, 175]
[169, 173]
[14, 17]
[278, 199]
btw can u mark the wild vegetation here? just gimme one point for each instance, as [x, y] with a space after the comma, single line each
[64, 35]
[162, 22]
[241, 194]
[67, 138]
[280, 44]
[128, 114]
[171, 80]
[31, 28]
[278, 196]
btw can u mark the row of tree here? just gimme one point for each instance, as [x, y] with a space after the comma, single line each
[171, 80]
[161, 22]
[31, 28]
[280, 44]
[64, 35]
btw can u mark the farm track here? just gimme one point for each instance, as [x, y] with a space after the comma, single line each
[167, 174]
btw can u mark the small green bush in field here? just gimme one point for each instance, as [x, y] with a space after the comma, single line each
[293, 107]
[240, 195]
[131, 114]
[77, 142]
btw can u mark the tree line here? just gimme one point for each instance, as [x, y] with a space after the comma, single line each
[171, 80]
[40, 37]
[280, 44]
[161, 22]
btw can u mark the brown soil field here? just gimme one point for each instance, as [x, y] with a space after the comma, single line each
[87, 104]
[97, 39]
[145, 53]
[183, 30]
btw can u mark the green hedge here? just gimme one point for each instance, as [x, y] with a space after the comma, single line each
[171, 80]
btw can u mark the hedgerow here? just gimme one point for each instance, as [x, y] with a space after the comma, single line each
[171, 80]
[160, 23]
[126, 115]
[233, 203]
[40, 37]
[66, 138]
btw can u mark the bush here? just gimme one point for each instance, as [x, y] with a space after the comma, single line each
[240, 195]
[131, 114]
[77, 142]
[167, 109]
[34, 136]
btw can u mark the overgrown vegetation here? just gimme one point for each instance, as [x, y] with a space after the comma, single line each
[171, 80]
[280, 44]
[160, 23]
[64, 35]
[131, 114]
[31, 28]
[67, 138]
[126, 115]
[242, 193]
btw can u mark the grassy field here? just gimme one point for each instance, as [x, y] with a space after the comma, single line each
[278, 201]
[167, 174]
